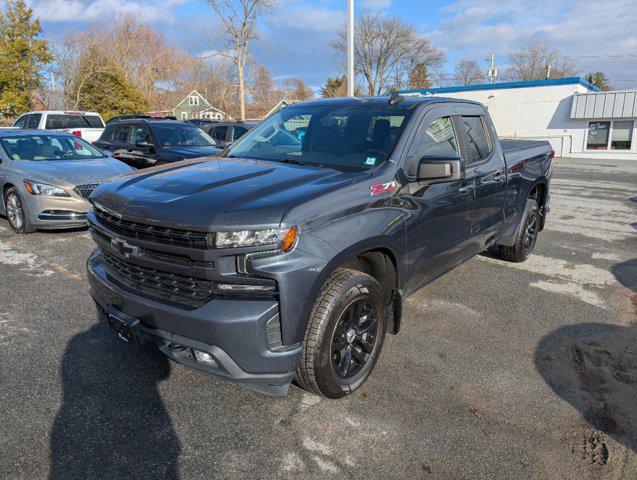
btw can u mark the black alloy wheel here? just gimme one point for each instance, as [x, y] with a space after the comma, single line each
[354, 338]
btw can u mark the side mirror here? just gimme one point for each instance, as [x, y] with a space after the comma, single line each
[144, 144]
[432, 170]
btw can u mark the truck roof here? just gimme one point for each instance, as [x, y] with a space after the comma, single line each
[24, 133]
[383, 101]
[61, 112]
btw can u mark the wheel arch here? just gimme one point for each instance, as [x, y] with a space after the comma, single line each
[378, 259]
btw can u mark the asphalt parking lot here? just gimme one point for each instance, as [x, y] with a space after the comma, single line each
[500, 371]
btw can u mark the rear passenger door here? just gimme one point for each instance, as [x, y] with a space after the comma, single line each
[485, 164]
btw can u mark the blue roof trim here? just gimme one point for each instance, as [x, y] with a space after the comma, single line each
[498, 86]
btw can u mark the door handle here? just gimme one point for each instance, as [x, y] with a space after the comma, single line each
[499, 177]
[467, 188]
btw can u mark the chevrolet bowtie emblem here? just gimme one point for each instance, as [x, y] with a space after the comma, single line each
[124, 248]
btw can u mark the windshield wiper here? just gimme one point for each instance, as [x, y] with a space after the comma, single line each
[292, 161]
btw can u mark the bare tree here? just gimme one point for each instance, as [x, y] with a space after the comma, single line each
[468, 72]
[537, 61]
[239, 19]
[296, 89]
[386, 49]
[148, 61]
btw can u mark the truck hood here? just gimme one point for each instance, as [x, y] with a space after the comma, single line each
[217, 193]
[72, 171]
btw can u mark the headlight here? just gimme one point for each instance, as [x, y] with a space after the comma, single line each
[44, 189]
[279, 238]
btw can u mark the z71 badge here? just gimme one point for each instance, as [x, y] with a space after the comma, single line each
[383, 187]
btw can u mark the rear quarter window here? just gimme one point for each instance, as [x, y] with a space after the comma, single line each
[58, 121]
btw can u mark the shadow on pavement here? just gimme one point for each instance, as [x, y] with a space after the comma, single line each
[112, 423]
[626, 273]
[593, 366]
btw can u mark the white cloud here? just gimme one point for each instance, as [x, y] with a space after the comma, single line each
[376, 4]
[91, 10]
[600, 36]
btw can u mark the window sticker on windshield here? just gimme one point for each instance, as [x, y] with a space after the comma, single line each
[370, 162]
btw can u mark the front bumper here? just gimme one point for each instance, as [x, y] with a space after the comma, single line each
[56, 212]
[232, 331]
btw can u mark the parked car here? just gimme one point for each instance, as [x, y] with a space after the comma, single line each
[142, 143]
[86, 125]
[293, 260]
[201, 122]
[133, 116]
[47, 177]
[224, 133]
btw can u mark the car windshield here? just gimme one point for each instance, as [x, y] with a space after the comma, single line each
[59, 121]
[48, 147]
[344, 138]
[171, 136]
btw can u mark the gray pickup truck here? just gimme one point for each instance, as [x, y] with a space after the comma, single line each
[289, 256]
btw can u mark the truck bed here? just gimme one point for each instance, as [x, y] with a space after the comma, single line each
[517, 150]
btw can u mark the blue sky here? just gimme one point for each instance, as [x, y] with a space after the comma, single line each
[599, 35]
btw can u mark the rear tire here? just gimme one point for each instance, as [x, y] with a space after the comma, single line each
[526, 235]
[344, 336]
[16, 212]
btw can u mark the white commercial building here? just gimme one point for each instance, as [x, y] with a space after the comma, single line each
[576, 117]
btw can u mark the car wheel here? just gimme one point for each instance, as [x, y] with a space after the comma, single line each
[16, 212]
[344, 336]
[526, 235]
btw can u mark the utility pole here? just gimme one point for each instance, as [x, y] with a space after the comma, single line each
[493, 72]
[350, 48]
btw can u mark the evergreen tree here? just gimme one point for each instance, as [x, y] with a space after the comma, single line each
[107, 91]
[337, 87]
[22, 56]
[599, 79]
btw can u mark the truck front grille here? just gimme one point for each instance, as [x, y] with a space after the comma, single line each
[187, 291]
[85, 191]
[151, 233]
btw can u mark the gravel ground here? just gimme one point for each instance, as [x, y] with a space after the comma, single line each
[500, 371]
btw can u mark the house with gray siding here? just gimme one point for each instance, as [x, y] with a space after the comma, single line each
[194, 105]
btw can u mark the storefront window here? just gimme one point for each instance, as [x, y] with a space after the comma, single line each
[598, 135]
[622, 135]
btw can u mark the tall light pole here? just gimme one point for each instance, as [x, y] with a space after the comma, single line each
[350, 48]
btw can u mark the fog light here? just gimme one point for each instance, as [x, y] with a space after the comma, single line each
[205, 358]
[235, 287]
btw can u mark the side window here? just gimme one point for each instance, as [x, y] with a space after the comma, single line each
[479, 144]
[238, 132]
[139, 133]
[435, 140]
[107, 134]
[22, 122]
[219, 133]
[34, 121]
[120, 137]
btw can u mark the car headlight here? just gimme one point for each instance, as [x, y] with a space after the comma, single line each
[35, 188]
[279, 238]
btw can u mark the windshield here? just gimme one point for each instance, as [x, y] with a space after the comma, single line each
[48, 147]
[171, 136]
[345, 138]
[58, 121]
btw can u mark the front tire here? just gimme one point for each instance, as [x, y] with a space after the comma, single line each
[344, 336]
[526, 235]
[16, 212]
